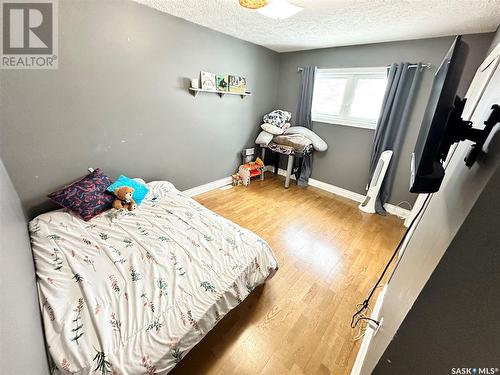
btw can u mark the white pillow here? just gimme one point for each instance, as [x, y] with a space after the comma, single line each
[272, 129]
[139, 180]
[318, 143]
[264, 138]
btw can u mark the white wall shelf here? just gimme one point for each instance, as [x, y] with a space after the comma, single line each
[221, 93]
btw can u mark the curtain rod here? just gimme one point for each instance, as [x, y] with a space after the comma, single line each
[424, 66]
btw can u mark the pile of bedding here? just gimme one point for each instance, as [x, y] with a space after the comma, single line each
[133, 292]
[277, 135]
[276, 122]
[298, 138]
[287, 140]
[290, 144]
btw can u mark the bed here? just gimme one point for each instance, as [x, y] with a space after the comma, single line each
[133, 292]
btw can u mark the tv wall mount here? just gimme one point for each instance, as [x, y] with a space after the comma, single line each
[461, 130]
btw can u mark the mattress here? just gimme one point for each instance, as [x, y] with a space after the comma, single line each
[133, 292]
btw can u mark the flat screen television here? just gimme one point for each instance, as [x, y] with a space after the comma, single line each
[433, 142]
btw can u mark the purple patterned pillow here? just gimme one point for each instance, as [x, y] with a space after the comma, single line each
[86, 197]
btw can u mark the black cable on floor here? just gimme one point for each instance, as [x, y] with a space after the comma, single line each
[364, 305]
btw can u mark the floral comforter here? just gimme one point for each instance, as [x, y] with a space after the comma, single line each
[132, 293]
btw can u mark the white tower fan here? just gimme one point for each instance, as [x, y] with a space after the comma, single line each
[368, 204]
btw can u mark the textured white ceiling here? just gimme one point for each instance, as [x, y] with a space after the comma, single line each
[329, 23]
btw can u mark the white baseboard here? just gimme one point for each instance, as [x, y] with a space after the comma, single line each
[401, 212]
[282, 172]
[365, 344]
[329, 187]
[207, 187]
[337, 190]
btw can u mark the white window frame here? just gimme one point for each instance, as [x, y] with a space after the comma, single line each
[352, 75]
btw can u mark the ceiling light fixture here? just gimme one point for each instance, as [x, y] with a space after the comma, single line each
[279, 9]
[253, 4]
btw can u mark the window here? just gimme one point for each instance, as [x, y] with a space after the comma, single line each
[351, 97]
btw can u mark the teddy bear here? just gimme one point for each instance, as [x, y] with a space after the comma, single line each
[124, 199]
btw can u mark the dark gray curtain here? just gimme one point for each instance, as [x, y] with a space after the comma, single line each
[402, 86]
[304, 118]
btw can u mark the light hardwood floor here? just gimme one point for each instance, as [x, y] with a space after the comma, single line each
[329, 254]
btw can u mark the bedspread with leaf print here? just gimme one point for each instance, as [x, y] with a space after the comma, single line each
[132, 293]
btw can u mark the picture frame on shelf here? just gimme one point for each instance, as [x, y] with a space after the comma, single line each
[237, 84]
[207, 81]
[221, 82]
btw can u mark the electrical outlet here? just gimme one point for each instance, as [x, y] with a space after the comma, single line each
[378, 327]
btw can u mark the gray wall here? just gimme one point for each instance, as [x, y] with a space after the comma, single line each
[453, 323]
[22, 349]
[119, 101]
[345, 164]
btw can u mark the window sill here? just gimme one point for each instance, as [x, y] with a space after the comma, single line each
[344, 122]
